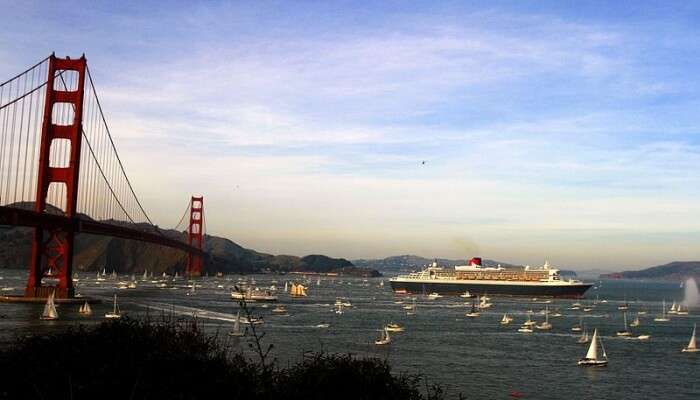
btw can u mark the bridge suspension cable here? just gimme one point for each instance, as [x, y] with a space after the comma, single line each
[105, 191]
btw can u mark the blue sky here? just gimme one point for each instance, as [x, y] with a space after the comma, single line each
[559, 130]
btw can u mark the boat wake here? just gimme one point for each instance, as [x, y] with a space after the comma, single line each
[188, 311]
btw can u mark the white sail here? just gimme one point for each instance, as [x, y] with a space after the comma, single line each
[50, 308]
[693, 342]
[237, 324]
[593, 348]
[85, 308]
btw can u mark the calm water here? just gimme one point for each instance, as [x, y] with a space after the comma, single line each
[477, 357]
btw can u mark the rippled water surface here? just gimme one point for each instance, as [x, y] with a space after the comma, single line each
[476, 357]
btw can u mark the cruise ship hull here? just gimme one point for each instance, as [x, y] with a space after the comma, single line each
[490, 288]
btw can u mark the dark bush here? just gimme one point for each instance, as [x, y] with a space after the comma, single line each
[133, 359]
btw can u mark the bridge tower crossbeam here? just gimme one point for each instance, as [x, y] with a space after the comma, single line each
[51, 260]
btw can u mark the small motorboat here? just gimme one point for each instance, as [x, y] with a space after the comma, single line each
[323, 325]
[394, 327]
[279, 309]
[433, 296]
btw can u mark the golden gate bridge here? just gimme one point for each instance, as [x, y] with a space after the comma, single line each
[61, 175]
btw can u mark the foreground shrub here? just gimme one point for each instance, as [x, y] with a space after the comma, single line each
[132, 359]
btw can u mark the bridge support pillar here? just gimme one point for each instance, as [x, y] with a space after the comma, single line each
[195, 236]
[50, 268]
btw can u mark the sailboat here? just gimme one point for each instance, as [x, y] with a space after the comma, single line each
[506, 319]
[527, 325]
[529, 321]
[474, 312]
[584, 337]
[626, 331]
[85, 309]
[636, 322]
[50, 308]
[384, 338]
[681, 310]
[674, 309]
[298, 290]
[237, 326]
[545, 326]
[145, 274]
[692, 345]
[591, 358]
[484, 303]
[662, 317]
[318, 281]
[286, 288]
[115, 310]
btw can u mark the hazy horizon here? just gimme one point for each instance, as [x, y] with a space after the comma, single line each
[516, 131]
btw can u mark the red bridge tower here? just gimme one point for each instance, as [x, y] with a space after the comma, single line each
[195, 236]
[52, 247]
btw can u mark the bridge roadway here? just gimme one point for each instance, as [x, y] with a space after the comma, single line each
[20, 217]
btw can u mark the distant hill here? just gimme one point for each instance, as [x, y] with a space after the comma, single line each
[93, 253]
[674, 271]
[410, 262]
